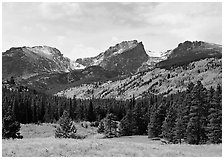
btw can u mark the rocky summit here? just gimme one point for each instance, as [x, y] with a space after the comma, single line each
[125, 57]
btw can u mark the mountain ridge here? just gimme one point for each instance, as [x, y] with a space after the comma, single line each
[46, 68]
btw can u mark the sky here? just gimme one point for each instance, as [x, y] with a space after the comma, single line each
[86, 29]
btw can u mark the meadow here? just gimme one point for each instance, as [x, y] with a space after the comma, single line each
[39, 141]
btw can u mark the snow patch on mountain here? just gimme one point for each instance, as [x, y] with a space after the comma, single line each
[75, 65]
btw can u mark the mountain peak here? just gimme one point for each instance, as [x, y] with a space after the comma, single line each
[121, 47]
[125, 57]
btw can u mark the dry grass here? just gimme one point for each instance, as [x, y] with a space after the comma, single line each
[37, 131]
[48, 130]
[46, 145]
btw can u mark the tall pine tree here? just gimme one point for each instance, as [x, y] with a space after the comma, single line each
[215, 117]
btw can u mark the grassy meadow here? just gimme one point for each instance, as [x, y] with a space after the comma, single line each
[39, 141]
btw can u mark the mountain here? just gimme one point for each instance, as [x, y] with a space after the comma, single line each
[188, 52]
[156, 81]
[25, 62]
[119, 72]
[189, 62]
[125, 57]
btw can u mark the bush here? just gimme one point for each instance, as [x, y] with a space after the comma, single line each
[66, 127]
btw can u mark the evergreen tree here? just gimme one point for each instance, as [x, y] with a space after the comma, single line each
[91, 115]
[10, 127]
[73, 107]
[156, 119]
[179, 129]
[169, 125]
[110, 126]
[215, 117]
[126, 124]
[180, 123]
[66, 127]
[185, 109]
[196, 133]
[138, 121]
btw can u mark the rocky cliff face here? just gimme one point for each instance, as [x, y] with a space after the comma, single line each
[125, 57]
[24, 62]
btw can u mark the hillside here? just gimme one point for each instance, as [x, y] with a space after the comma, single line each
[54, 82]
[158, 80]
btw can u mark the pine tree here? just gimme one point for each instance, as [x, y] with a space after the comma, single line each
[66, 127]
[179, 129]
[185, 110]
[138, 122]
[110, 125]
[126, 124]
[196, 132]
[91, 115]
[73, 107]
[156, 119]
[215, 117]
[180, 123]
[10, 127]
[169, 125]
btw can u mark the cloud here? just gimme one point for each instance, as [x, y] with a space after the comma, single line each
[115, 40]
[55, 11]
[60, 40]
[97, 26]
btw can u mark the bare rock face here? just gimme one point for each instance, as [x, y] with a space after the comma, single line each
[24, 62]
[125, 57]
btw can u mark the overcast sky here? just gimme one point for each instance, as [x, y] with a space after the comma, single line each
[86, 29]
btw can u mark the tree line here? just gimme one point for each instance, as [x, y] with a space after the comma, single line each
[194, 115]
